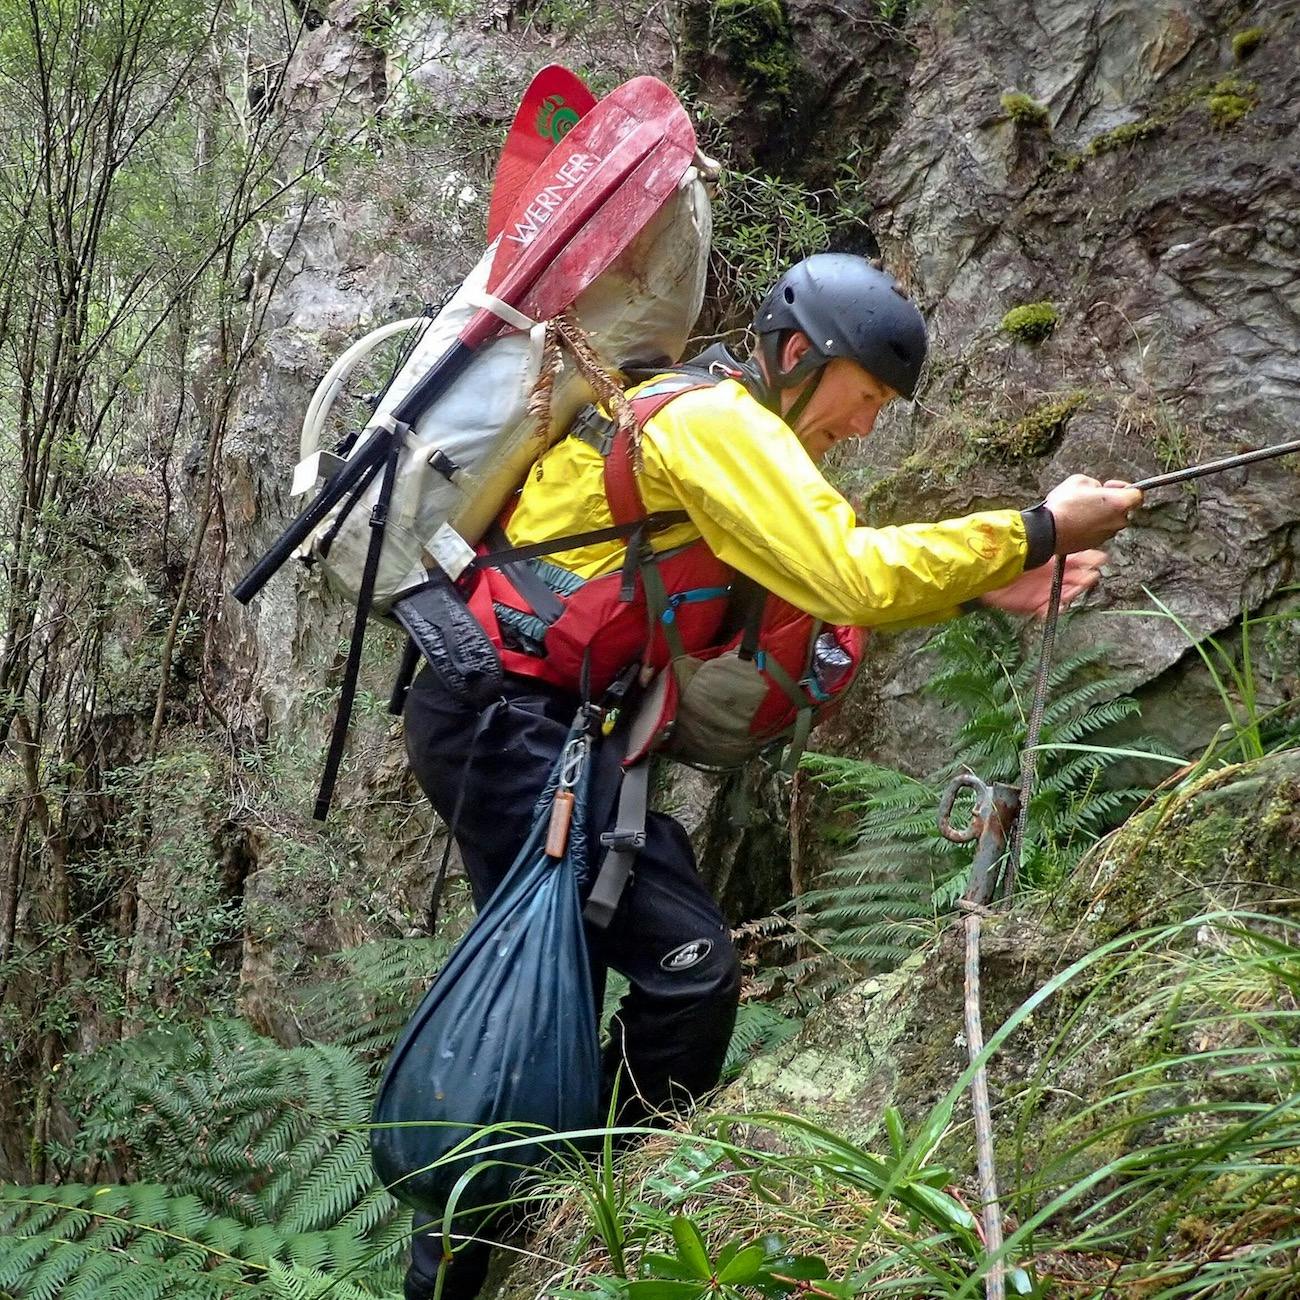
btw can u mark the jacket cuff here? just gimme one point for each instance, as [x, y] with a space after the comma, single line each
[1040, 536]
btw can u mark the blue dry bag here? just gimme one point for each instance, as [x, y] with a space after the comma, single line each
[506, 1035]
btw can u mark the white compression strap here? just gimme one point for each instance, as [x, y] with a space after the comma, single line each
[501, 309]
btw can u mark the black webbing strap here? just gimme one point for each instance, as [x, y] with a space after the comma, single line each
[365, 598]
[656, 522]
[405, 676]
[623, 843]
[345, 510]
[527, 582]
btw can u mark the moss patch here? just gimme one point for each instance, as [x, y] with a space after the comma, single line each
[1123, 136]
[1030, 323]
[1246, 42]
[1034, 434]
[1023, 109]
[1230, 100]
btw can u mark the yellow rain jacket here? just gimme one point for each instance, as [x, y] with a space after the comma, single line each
[763, 507]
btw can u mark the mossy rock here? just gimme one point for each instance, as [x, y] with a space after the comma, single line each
[1235, 830]
[1123, 136]
[1024, 110]
[1034, 434]
[1229, 100]
[1246, 42]
[1031, 322]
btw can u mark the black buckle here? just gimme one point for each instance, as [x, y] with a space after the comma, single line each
[623, 841]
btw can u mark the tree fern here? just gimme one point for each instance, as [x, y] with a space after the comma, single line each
[900, 876]
[370, 991]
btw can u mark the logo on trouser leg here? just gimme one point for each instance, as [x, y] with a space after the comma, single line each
[687, 955]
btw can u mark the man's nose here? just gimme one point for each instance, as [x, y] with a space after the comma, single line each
[865, 421]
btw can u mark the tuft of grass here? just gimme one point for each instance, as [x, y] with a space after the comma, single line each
[1030, 323]
[1023, 109]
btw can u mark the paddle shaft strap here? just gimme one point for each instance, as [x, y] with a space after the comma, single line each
[373, 451]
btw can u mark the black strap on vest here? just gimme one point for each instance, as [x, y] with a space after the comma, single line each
[545, 603]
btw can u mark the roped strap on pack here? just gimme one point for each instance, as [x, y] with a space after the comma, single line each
[622, 844]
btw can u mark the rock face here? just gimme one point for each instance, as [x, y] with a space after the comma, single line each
[1145, 195]
[1123, 163]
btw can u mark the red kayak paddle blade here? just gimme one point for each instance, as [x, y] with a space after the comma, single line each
[591, 197]
[552, 106]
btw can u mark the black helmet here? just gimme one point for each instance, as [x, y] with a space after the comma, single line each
[848, 307]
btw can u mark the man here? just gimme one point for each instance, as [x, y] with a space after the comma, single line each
[838, 340]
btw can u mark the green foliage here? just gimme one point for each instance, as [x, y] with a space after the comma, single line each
[1184, 1169]
[1030, 323]
[879, 900]
[1246, 42]
[761, 225]
[1033, 434]
[759, 1028]
[253, 1149]
[1250, 729]
[754, 37]
[143, 1240]
[750, 1204]
[367, 993]
[1023, 109]
[739, 1269]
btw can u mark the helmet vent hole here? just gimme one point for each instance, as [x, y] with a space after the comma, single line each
[788, 294]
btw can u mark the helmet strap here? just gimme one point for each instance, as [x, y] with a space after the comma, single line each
[805, 397]
[812, 365]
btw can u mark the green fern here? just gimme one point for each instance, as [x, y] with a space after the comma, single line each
[144, 1241]
[900, 877]
[369, 992]
[759, 1028]
[232, 1129]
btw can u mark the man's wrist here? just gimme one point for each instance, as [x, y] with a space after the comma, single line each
[1040, 535]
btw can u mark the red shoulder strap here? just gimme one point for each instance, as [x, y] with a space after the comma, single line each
[621, 488]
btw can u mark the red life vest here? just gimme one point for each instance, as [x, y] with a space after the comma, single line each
[724, 697]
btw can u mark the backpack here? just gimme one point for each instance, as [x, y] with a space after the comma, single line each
[731, 670]
[470, 450]
[394, 538]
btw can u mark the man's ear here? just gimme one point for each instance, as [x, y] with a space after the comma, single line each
[793, 350]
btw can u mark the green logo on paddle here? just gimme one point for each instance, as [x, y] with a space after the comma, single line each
[554, 121]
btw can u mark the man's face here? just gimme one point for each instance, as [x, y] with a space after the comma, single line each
[845, 404]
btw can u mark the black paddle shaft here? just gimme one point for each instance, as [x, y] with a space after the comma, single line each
[436, 380]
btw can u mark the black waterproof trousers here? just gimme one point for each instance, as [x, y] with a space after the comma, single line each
[670, 1034]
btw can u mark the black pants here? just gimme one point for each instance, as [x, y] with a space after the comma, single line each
[669, 1036]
